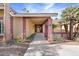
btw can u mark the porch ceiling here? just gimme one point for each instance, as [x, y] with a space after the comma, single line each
[38, 20]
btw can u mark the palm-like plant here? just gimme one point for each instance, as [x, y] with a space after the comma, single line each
[70, 15]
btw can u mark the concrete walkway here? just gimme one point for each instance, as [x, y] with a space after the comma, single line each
[68, 50]
[40, 47]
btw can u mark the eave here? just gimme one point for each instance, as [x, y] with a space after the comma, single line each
[34, 14]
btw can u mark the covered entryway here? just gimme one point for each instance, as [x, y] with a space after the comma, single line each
[43, 25]
[39, 24]
[29, 23]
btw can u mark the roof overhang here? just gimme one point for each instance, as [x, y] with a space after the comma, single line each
[35, 15]
[1, 6]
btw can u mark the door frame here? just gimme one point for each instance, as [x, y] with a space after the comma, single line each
[41, 31]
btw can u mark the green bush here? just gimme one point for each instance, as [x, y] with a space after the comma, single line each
[30, 38]
[54, 26]
[20, 41]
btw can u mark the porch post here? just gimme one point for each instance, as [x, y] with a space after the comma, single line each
[50, 38]
[24, 27]
[11, 26]
[7, 23]
[46, 30]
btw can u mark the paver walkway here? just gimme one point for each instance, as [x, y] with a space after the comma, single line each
[40, 47]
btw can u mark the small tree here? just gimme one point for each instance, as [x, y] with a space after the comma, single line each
[69, 15]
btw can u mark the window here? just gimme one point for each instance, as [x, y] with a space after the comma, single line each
[1, 27]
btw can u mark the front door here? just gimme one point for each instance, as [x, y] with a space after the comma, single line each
[38, 28]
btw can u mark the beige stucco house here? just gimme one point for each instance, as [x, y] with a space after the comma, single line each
[13, 24]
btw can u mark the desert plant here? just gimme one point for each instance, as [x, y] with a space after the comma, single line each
[19, 39]
[70, 15]
[30, 38]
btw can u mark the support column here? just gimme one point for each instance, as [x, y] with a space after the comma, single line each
[46, 30]
[24, 27]
[11, 25]
[50, 36]
[7, 23]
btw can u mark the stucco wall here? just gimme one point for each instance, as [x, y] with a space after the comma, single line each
[29, 27]
[17, 26]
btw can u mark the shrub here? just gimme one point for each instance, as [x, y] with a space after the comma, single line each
[19, 39]
[30, 38]
[54, 26]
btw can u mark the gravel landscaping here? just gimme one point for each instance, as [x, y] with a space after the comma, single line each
[13, 50]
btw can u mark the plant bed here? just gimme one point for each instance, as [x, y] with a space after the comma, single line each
[12, 48]
[15, 47]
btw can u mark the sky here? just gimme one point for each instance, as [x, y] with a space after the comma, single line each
[41, 7]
